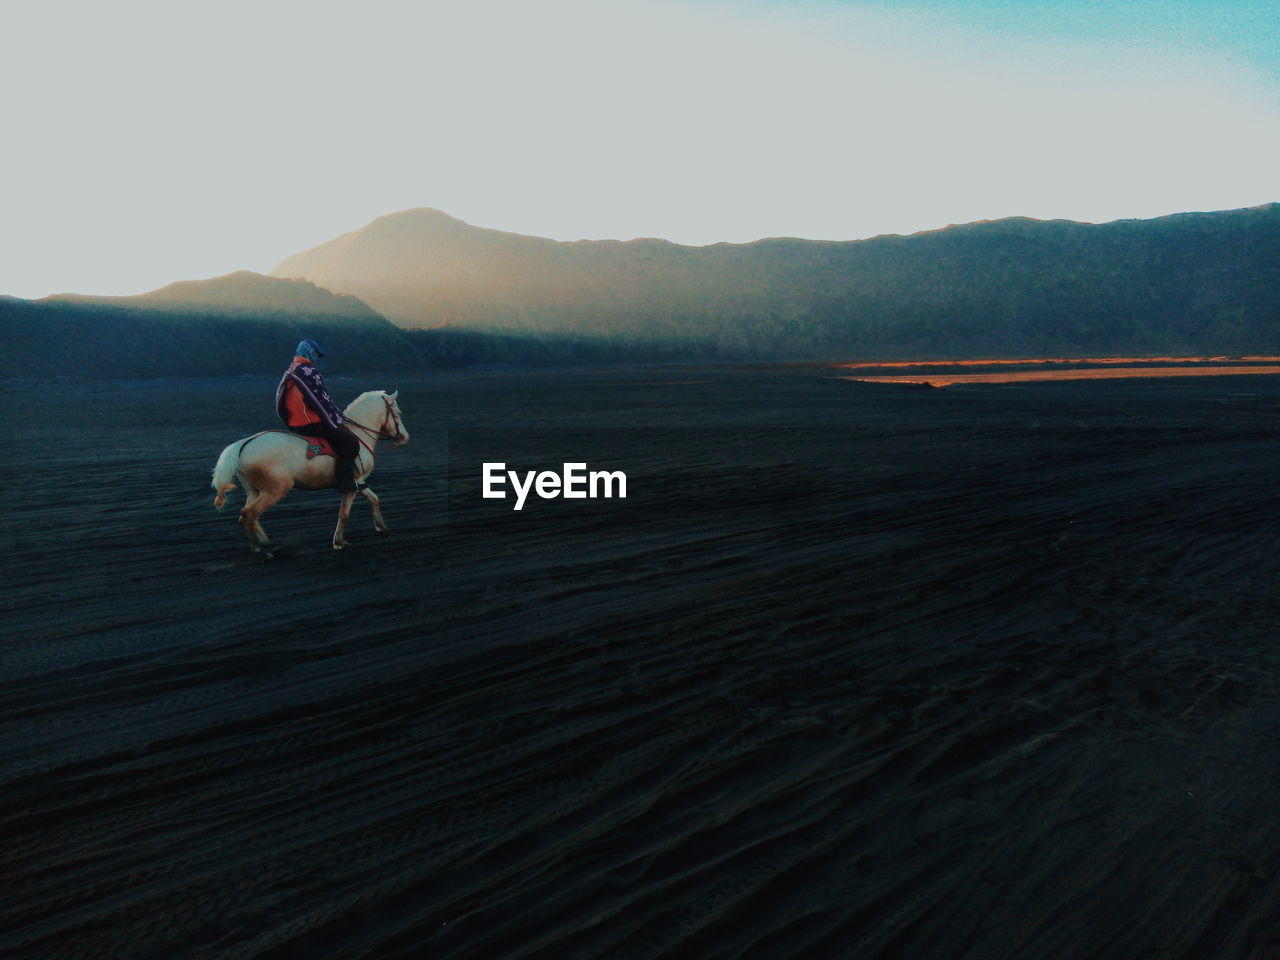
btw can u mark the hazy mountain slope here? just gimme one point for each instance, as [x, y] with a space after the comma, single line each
[1201, 281]
[241, 293]
[61, 338]
[69, 338]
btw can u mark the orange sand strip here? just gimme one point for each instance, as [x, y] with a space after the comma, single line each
[1114, 373]
[1041, 360]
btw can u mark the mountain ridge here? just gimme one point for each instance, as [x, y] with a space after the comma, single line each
[1196, 281]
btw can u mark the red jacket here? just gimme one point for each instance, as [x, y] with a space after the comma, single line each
[297, 412]
[301, 397]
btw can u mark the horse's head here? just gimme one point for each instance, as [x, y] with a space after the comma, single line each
[393, 426]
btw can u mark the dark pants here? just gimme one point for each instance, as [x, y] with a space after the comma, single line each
[345, 445]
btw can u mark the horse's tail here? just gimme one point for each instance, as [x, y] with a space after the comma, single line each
[225, 472]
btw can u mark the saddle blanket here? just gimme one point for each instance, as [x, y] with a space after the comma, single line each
[318, 447]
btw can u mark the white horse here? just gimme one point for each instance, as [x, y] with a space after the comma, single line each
[273, 462]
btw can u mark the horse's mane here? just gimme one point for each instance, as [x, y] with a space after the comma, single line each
[367, 393]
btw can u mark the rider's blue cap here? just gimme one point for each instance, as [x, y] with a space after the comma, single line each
[310, 349]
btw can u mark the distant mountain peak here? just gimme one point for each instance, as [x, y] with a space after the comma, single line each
[416, 219]
[421, 214]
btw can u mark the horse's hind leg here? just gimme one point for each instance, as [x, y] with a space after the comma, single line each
[253, 531]
[267, 495]
[249, 521]
[344, 511]
[250, 527]
[378, 522]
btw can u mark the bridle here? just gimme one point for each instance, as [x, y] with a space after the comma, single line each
[391, 418]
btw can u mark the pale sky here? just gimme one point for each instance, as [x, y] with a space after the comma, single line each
[142, 143]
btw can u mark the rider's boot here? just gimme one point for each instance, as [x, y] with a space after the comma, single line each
[344, 474]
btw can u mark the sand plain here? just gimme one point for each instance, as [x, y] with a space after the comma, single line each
[856, 670]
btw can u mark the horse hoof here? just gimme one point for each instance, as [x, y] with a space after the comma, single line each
[384, 530]
[340, 546]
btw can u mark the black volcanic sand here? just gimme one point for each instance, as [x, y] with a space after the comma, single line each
[857, 670]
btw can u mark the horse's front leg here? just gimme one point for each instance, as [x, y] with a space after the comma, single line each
[378, 522]
[344, 511]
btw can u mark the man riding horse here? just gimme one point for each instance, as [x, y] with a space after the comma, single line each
[304, 405]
